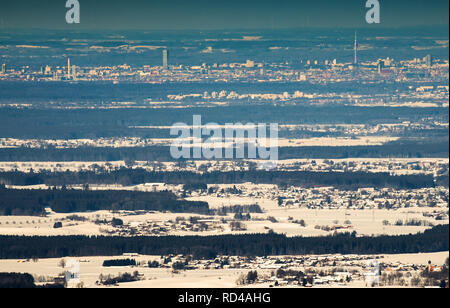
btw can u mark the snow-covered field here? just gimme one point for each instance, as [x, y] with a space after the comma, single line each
[396, 166]
[364, 222]
[91, 268]
[138, 142]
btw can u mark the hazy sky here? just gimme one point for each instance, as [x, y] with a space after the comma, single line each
[219, 14]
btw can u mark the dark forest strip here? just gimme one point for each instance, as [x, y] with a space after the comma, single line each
[125, 176]
[20, 247]
[34, 202]
[435, 148]
[95, 123]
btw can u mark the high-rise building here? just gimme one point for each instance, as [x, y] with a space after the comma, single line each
[249, 64]
[68, 68]
[3, 68]
[74, 72]
[165, 59]
[429, 61]
[380, 66]
[388, 61]
[47, 70]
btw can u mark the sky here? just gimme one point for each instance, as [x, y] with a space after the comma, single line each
[219, 14]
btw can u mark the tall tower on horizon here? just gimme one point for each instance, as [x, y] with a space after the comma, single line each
[356, 49]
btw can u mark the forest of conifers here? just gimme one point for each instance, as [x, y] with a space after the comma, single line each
[34, 202]
[125, 176]
[437, 147]
[21, 247]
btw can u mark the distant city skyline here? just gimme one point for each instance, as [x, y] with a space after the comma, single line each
[215, 14]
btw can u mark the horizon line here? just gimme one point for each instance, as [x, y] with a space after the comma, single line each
[368, 27]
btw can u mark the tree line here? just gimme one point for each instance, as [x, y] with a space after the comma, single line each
[20, 247]
[119, 262]
[194, 180]
[437, 147]
[23, 281]
[60, 123]
[34, 202]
